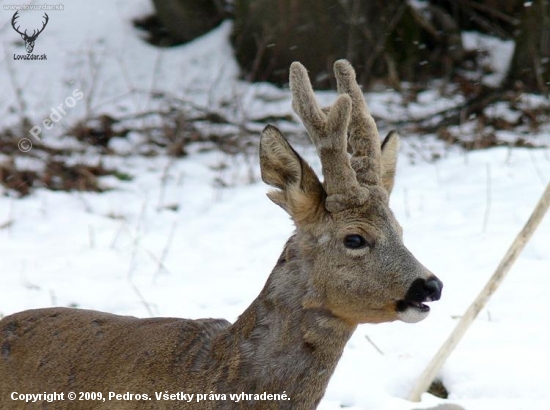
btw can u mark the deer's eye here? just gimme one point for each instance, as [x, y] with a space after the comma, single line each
[355, 241]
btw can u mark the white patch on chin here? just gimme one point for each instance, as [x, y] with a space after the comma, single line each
[412, 315]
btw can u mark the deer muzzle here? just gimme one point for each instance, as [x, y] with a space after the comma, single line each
[412, 307]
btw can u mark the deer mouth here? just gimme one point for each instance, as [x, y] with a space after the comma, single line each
[411, 308]
[403, 305]
[411, 311]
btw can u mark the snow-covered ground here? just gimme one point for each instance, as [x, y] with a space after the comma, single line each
[174, 242]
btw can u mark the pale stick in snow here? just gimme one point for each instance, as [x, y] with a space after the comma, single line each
[473, 310]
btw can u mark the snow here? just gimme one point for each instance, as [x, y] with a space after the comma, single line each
[173, 242]
[498, 58]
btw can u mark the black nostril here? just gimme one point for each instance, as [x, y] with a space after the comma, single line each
[433, 288]
[423, 290]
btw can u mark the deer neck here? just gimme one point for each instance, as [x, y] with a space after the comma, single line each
[285, 341]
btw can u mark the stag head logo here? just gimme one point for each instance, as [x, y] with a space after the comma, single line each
[29, 40]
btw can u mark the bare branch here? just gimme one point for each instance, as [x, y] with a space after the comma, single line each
[427, 377]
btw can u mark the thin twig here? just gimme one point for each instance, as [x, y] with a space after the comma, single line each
[163, 182]
[491, 11]
[137, 239]
[19, 96]
[155, 74]
[427, 377]
[379, 48]
[487, 24]
[6, 224]
[160, 266]
[10, 217]
[374, 345]
[117, 234]
[537, 168]
[92, 89]
[488, 200]
[128, 80]
[135, 243]
[143, 300]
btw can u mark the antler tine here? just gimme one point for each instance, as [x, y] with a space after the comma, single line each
[328, 133]
[363, 133]
[46, 19]
[13, 21]
[36, 33]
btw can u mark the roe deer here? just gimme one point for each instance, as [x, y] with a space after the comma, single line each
[344, 265]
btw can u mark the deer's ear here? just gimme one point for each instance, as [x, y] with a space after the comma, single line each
[388, 160]
[298, 190]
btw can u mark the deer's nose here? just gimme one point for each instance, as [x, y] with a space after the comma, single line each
[432, 288]
[425, 290]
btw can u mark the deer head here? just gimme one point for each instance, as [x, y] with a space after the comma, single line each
[345, 264]
[359, 268]
[29, 40]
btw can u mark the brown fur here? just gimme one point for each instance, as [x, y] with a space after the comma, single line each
[364, 139]
[291, 337]
[389, 160]
[328, 132]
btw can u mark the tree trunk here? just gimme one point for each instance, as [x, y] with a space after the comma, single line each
[381, 38]
[531, 62]
[388, 40]
[187, 19]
